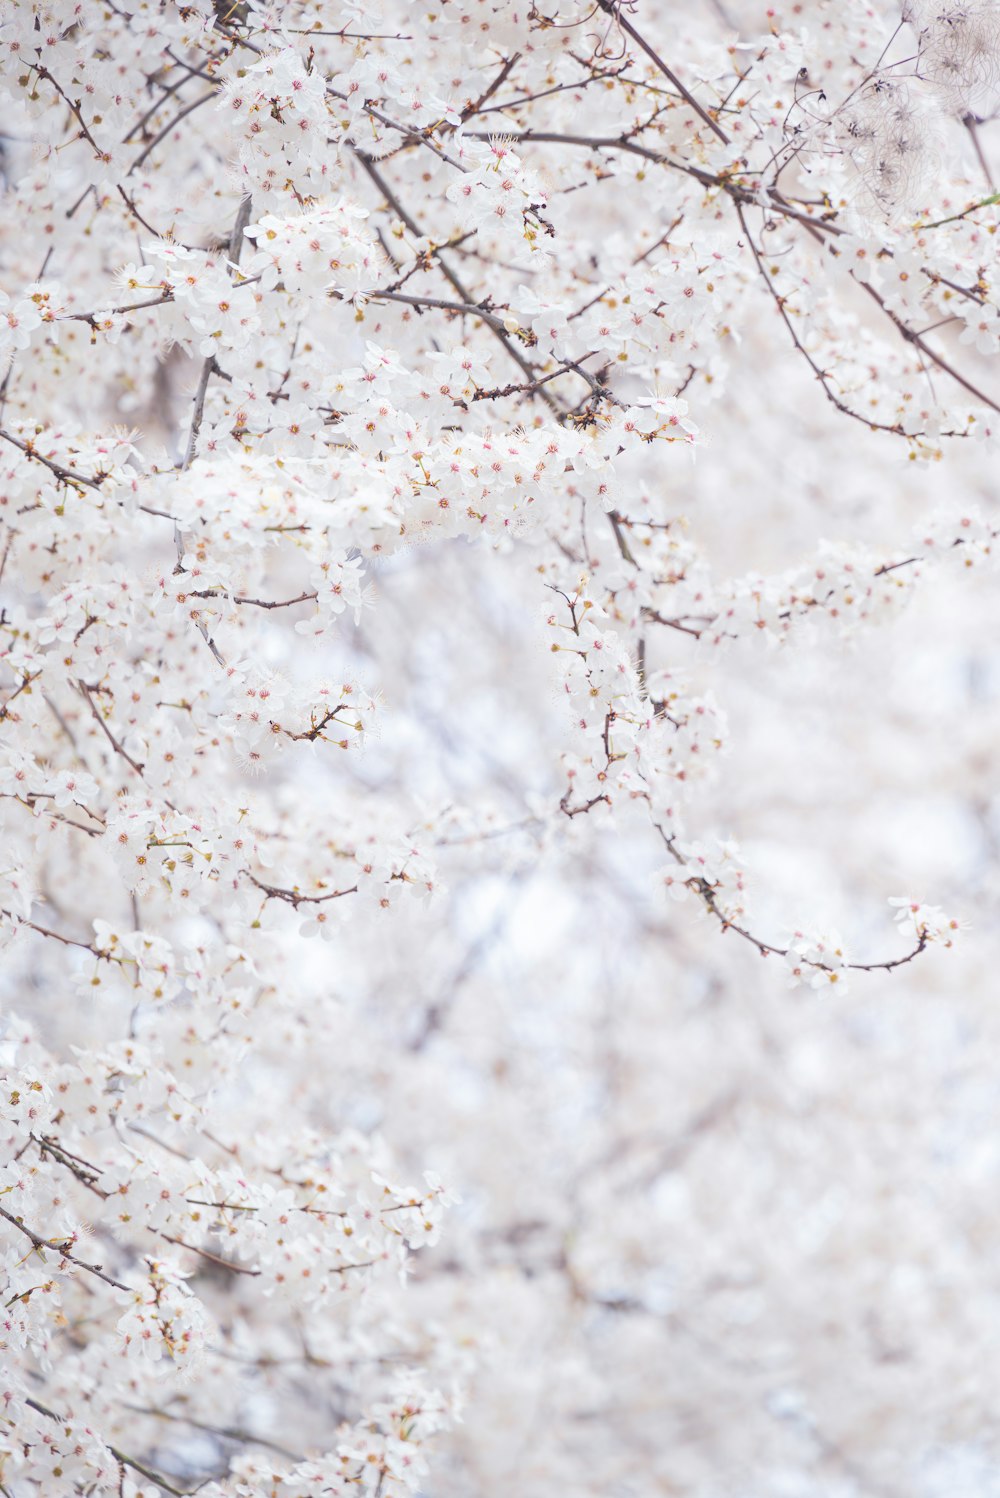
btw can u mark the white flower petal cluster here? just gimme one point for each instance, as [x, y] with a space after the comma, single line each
[358, 369]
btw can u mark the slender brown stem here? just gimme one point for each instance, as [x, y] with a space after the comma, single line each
[62, 1248]
[613, 8]
[86, 691]
[64, 475]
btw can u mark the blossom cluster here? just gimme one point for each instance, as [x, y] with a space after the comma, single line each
[298, 299]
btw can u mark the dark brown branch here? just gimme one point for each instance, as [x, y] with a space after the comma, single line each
[119, 1456]
[467, 309]
[61, 1246]
[468, 300]
[292, 896]
[86, 691]
[821, 374]
[67, 941]
[74, 108]
[64, 475]
[498, 82]
[162, 134]
[212, 1258]
[706, 893]
[613, 8]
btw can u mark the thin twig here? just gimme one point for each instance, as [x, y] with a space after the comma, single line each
[613, 8]
[107, 731]
[61, 1247]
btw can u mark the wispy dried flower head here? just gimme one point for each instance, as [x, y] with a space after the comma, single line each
[959, 53]
[890, 139]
